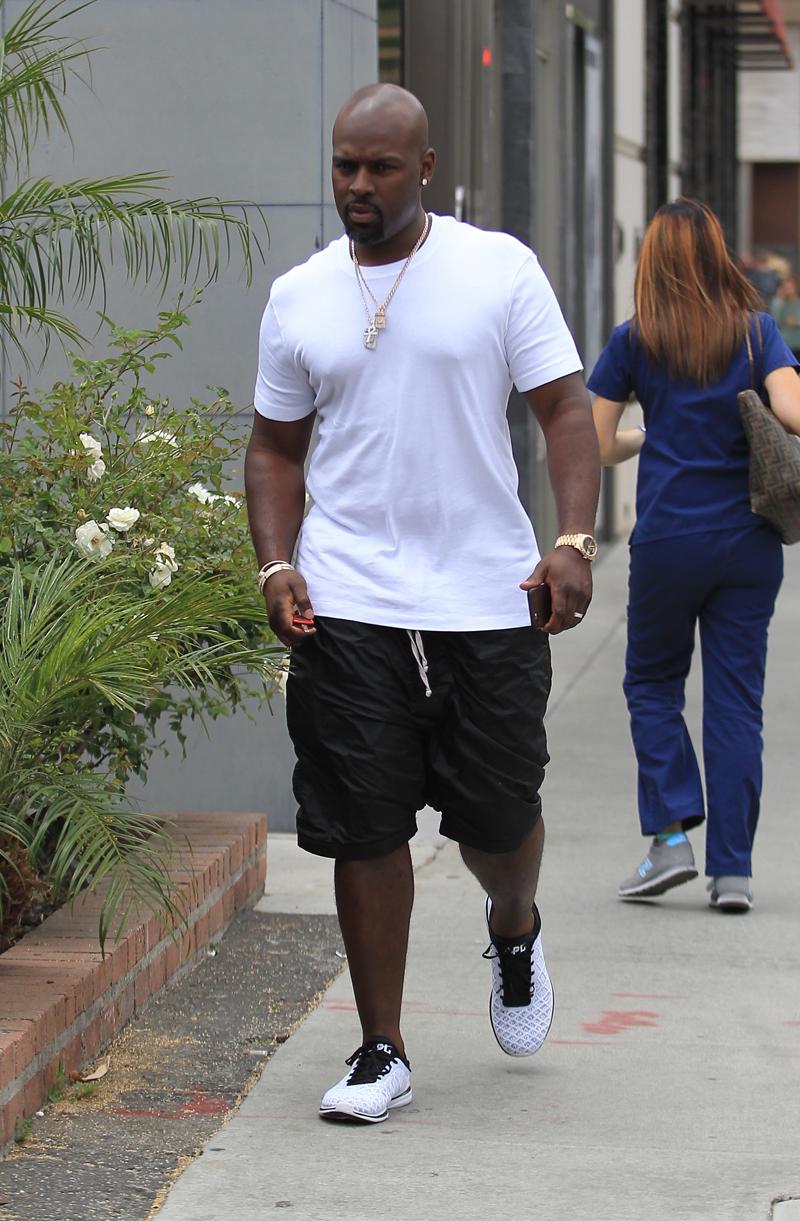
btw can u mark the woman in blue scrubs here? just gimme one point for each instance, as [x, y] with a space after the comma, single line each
[698, 554]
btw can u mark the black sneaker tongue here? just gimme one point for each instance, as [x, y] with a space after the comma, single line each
[384, 1048]
[371, 1062]
[515, 972]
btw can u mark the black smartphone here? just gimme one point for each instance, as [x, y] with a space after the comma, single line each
[541, 604]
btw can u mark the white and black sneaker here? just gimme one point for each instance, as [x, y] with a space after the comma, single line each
[379, 1079]
[521, 1001]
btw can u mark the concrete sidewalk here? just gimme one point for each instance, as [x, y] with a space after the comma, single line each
[668, 1088]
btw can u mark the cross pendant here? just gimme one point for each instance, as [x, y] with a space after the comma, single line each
[371, 337]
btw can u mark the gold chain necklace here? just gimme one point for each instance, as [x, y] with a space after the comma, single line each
[377, 321]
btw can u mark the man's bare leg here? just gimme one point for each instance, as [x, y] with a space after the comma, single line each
[374, 900]
[510, 880]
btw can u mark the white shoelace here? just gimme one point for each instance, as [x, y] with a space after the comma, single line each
[418, 649]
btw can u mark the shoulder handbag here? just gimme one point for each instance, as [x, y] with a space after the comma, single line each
[774, 475]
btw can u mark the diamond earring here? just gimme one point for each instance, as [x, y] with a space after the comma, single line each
[424, 182]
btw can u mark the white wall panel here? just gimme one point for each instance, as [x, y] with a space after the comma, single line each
[629, 65]
[769, 111]
[224, 97]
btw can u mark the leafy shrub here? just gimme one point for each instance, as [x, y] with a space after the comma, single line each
[126, 581]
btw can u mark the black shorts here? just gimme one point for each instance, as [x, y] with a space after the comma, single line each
[373, 748]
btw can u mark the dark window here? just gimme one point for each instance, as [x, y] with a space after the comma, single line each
[709, 109]
[776, 207]
[656, 105]
[391, 32]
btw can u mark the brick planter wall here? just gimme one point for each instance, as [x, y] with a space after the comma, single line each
[62, 1001]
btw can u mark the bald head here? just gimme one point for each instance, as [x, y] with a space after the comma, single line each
[381, 162]
[386, 112]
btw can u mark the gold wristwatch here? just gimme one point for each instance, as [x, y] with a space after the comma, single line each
[581, 542]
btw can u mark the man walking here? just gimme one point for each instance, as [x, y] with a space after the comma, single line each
[416, 677]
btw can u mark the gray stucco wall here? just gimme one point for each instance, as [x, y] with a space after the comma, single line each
[234, 99]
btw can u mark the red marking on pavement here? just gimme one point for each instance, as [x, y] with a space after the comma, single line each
[415, 1008]
[792, 1022]
[199, 1104]
[581, 1042]
[653, 996]
[614, 1021]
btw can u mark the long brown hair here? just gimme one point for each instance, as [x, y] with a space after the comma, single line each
[692, 303]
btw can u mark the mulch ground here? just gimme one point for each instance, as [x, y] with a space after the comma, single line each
[109, 1152]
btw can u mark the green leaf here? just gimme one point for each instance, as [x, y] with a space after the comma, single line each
[35, 65]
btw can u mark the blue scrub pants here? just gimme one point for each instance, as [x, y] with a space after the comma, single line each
[726, 581]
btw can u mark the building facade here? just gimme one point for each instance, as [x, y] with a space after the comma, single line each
[769, 150]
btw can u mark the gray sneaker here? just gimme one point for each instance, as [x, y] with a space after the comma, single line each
[667, 864]
[730, 894]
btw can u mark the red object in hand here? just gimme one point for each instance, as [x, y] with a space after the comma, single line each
[300, 621]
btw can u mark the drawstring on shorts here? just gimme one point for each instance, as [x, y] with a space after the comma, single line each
[418, 650]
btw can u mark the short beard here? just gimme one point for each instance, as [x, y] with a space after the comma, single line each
[366, 235]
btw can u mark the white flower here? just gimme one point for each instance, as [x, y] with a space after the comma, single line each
[159, 435]
[201, 493]
[92, 446]
[92, 540]
[122, 520]
[161, 576]
[165, 565]
[149, 409]
[94, 451]
[166, 555]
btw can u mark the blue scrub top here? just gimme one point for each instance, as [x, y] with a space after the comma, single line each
[693, 464]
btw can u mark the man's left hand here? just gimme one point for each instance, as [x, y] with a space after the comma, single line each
[569, 576]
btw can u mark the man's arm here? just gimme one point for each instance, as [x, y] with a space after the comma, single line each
[565, 417]
[274, 479]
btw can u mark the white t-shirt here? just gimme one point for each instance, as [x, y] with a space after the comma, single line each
[416, 521]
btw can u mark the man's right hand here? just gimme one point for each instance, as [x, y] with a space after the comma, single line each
[286, 594]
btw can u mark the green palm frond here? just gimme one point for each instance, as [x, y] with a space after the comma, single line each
[100, 843]
[18, 320]
[56, 238]
[35, 65]
[74, 635]
[54, 653]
